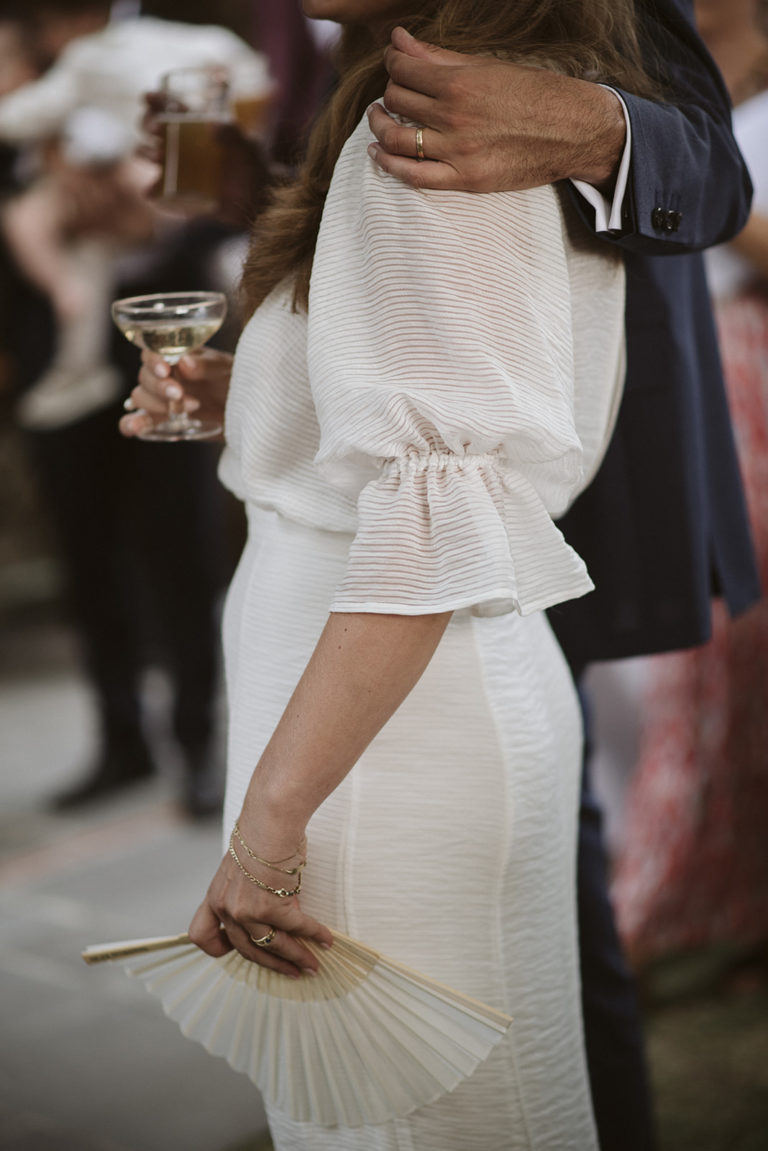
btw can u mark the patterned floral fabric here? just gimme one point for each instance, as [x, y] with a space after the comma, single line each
[695, 867]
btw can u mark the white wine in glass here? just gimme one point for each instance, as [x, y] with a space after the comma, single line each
[172, 324]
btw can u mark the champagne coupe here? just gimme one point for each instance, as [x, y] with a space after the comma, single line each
[172, 324]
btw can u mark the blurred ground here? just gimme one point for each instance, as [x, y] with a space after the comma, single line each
[707, 1028]
[87, 1060]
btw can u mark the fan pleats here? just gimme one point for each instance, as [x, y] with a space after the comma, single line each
[364, 1041]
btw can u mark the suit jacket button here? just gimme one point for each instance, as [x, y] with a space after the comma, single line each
[658, 218]
[673, 221]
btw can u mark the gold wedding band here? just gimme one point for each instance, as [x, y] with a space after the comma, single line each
[420, 144]
[265, 939]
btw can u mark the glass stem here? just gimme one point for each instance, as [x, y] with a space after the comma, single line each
[177, 417]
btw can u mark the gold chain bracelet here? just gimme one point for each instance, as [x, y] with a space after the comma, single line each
[280, 892]
[274, 865]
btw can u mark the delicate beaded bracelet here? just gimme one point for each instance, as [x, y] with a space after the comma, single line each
[275, 866]
[280, 892]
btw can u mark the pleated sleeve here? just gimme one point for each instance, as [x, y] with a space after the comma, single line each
[441, 362]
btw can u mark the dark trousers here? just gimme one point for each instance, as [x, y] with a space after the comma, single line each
[139, 530]
[612, 1026]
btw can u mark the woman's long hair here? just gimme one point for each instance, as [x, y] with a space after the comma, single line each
[590, 39]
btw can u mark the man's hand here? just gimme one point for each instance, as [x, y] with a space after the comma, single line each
[490, 125]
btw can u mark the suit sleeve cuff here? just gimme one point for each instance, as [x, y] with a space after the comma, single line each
[608, 212]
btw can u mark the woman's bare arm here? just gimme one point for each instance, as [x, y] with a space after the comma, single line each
[362, 669]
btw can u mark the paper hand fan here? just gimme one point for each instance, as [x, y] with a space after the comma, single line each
[366, 1040]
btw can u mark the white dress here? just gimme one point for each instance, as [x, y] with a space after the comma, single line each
[404, 449]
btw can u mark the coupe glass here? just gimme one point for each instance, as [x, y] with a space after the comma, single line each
[172, 324]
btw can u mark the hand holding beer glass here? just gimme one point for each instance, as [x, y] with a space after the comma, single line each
[195, 105]
[198, 111]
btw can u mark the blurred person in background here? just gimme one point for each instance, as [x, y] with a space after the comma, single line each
[694, 866]
[299, 54]
[17, 60]
[18, 65]
[139, 528]
[66, 230]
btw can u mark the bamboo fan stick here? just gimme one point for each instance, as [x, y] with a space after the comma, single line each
[102, 952]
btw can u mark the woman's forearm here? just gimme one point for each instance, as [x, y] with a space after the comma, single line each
[362, 669]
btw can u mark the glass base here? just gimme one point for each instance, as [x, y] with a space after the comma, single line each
[182, 428]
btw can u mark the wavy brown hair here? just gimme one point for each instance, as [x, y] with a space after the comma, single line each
[590, 39]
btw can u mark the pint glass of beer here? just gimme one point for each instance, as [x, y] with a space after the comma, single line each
[197, 102]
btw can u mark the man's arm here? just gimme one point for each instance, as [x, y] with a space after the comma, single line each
[492, 125]
[689, 187]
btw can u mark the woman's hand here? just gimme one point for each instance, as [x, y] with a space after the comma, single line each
[236, 911]
[198, 383]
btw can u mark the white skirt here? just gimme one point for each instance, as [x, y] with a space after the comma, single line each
[451, 845]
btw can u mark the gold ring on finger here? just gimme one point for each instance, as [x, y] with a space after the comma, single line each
[265, 940]
[420, 144]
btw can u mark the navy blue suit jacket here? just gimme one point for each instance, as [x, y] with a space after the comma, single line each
[663, 526]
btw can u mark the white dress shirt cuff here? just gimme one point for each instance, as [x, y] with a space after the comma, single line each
[607, 212]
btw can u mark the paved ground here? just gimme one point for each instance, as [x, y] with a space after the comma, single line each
[709, 1058]
[88, 1062]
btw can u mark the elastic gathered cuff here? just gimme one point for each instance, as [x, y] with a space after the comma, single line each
[439, 532]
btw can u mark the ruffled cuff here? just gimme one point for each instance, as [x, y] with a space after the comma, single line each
[440, 532]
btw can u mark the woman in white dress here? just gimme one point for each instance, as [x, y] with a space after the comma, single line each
[429, 378]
